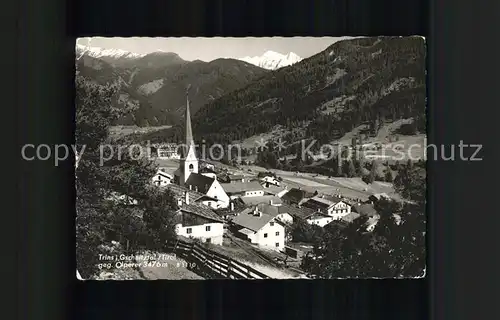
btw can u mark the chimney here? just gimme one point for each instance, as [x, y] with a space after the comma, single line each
[196, 188]
[187, 197]
[256, 211]
[232, 206]
[271, 202]
[190, 187]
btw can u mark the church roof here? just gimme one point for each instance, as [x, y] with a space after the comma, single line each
[189, 130]
[201, 182]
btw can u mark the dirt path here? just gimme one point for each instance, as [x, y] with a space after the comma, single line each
[167, 267]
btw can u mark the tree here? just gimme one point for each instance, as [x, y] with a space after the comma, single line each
[396, 247]
[388, 175]
[101, 216]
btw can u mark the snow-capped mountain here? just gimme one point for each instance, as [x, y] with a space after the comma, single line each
[271, 60]
[102, 53]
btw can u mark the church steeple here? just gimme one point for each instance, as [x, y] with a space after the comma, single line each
[189, 130]
[189, 162]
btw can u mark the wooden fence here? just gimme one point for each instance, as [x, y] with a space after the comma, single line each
[213, 264]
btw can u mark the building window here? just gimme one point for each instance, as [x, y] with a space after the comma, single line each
[209, 204]
[265, 235]
[189, 230]
[207, 228]
[277, 244]
[277, 233]
[271, 223]
[209, 240]
[191, 167]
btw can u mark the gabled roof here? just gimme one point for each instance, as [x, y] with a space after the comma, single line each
[164, 174]
[247, 220]
[237, 187]
[180, 191]
[206, 170]
[272, 189]
[201, 210]
[296, 195]
[302, 212]
[203, 183]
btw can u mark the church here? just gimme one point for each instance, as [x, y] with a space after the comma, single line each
[188, 175]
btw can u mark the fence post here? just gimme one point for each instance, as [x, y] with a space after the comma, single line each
[229, 261]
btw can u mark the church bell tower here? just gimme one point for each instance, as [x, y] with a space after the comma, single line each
[189, 162]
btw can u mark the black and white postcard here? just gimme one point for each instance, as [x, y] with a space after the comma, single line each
[250, 158]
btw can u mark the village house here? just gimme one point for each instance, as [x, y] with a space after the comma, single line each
[161, 178]
[243, 189]
[270, 180]
[259, 228]
[329, 205]
[275, 190]
[236, 178]
[208, 172]
[209, 187]
[166, 151]
[297, 196]
[376, 197]
[308, 215]
[198, 221]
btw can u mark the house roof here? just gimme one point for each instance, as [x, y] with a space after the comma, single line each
[246, 219]
[180, 191]
[296, 195]
[296, 211]
[272, 189]
[319, 203]
[201, 210]
[237, 187]
[203, 183]
[260, 199]
[366, 210]
[379, 195]
[206, 170]
[246, 231]
[164, 174]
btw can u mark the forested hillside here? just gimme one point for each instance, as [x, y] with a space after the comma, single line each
[365, 80]
[154, 86]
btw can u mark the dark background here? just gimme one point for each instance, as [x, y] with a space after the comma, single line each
[462, 105]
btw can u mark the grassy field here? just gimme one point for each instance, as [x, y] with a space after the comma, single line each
[122, 131]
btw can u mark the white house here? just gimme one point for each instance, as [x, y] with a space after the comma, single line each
[329, 205]
[261, 229]
[168, 151]
[209, 187]
[306, 214]
[243, 189]
[270, 180]
[208, 172]
[275, 190]
[161, 178]
[197, 221]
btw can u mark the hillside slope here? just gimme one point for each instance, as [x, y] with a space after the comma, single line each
[352, 82]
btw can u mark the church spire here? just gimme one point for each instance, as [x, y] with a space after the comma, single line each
[189, 131]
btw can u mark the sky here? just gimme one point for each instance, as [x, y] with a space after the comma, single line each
[207, 49]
